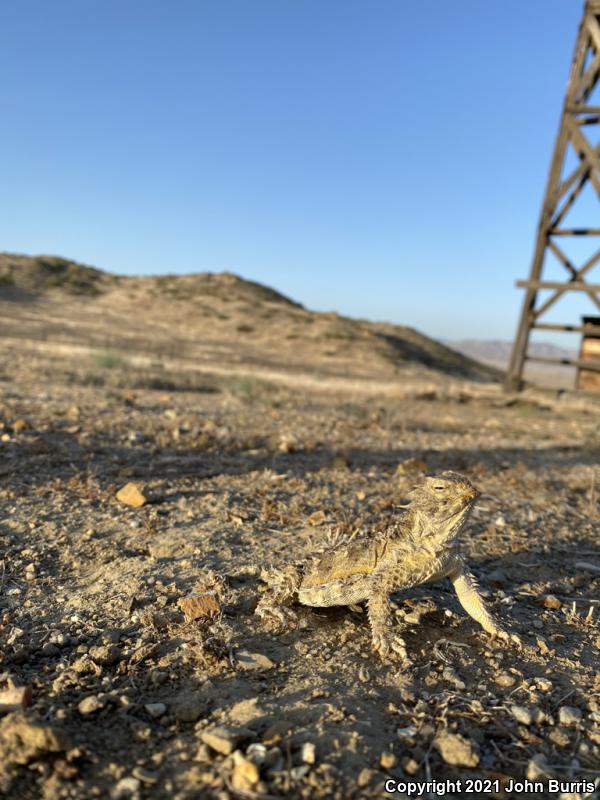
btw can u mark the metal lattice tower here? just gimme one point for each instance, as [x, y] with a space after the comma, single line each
[562, 192]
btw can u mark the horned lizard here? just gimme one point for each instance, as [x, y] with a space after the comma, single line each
[421, 547]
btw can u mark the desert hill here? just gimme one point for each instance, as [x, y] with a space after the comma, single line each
[205, 321]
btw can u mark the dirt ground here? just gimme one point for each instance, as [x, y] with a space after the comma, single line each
[131, 699]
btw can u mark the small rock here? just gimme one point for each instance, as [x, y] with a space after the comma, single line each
[407, 734]
[542, 645]
[522, 714]
[224, 740]
[245, 773]
[203, 754]
[449, 674]
[308, 754]
[20, 425]
[559, 737]
[252, 661]
[105, 654]
[200, 606]
[413, 617]
[14, 698]
[287, 443]
[506, 680]
[132, 494]
[257, 753]
[298, 773]
[317, 518]
[89, 705]
[364, 675]
[73, 413]
[111, 636]
[126, 787]
[50, 650]
[456, 750]
[364, 777]
[387, 761]
[543, 684]
[410, 765]
[16, 633]
[537, 768]
[155, 710]
[569, 716]
[550, 601]
[244, 711]
[25, 737]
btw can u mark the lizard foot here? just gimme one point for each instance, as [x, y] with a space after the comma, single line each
[388, 643]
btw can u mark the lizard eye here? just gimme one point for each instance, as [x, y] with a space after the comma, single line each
[439, 488]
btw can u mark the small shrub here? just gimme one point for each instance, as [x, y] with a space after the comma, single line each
[109, 359]
[246, 387]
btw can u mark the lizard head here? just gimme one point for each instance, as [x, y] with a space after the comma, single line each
[443, 503]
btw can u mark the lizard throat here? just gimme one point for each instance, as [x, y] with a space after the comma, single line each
[442, 532]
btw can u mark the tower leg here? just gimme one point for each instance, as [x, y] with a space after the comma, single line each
[582, 79]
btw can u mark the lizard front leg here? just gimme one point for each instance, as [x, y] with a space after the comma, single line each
[282, 590]
[384, 637]
[467, 591]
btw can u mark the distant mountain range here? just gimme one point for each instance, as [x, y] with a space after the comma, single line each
[497, 352]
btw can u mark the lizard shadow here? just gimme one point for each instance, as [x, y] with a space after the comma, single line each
[462, 665]
[333, 686]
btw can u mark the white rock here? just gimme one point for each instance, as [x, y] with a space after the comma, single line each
[407, 733]
[309, 753]
[155, 710]
[522, 714]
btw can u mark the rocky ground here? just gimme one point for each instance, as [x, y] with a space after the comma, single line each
[131, 663]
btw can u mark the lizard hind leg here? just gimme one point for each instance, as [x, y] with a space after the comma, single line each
[274, 608]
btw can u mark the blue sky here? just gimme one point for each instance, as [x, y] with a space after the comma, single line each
[383, 158]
